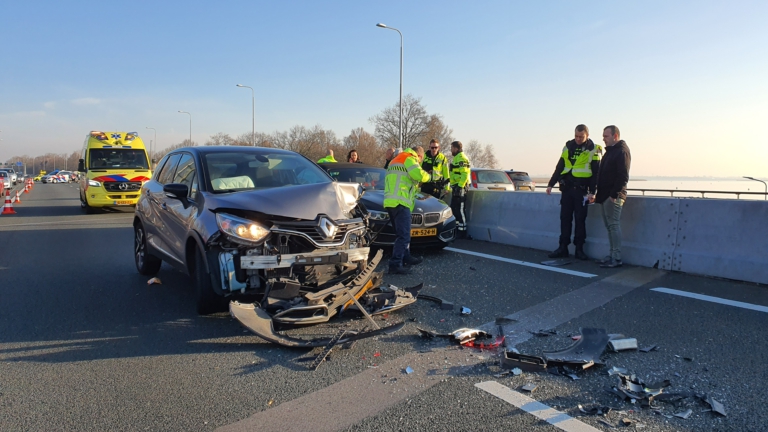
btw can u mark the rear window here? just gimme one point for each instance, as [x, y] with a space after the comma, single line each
[519, 176]
[237, 171]
[492, 177]
[370, 178]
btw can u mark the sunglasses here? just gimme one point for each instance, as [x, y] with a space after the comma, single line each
[434, 147]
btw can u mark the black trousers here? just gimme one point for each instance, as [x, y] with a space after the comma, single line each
[457, 206]
[573, 207]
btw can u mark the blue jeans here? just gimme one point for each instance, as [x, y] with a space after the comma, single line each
[400, 217]
[611, 218]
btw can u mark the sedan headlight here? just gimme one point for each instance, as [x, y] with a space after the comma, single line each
[379, 215]
[241, 230]
[446, 214]
[94, 183]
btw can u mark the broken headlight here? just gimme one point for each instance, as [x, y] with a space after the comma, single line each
[379, 215]
[241, 230]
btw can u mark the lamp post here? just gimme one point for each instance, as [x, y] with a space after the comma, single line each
[764, 184]
[190, 126]
[253, 114]
[400, 130]
[150, 146]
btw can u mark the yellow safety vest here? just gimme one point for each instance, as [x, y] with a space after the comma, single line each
[582, 166]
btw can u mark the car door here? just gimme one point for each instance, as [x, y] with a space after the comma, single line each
[157, 232]
[178, 215]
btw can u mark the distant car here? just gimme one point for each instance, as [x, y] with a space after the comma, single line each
[432, 222]
[5, 178]
[49, 178]
[490, 179]
[65, 176]
[11, 175]
[522, 181]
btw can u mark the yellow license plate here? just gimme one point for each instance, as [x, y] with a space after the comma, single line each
[124, 202]
[423, 232]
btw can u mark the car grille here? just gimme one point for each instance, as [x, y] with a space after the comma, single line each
[417, 219]
[312, 230]
[115, 186]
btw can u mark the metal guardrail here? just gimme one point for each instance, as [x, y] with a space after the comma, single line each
[702, 192]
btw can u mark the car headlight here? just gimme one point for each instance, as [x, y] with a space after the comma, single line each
[446, 214]
[379, 215]
[241, 230]
[94, 183]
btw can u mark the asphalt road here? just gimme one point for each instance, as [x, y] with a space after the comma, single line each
[87, 345]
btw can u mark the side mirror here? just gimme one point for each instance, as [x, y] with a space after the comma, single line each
[81, 165]
[176, 191]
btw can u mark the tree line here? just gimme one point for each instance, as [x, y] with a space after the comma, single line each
[419, 127]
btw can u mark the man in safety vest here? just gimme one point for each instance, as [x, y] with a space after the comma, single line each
[576, 173]
[328, 157]
[400, 185]
[436, 165]
[459, 179]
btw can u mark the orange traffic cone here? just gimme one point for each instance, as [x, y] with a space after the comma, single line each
[18, 197]
[8, 208]
[26, 188]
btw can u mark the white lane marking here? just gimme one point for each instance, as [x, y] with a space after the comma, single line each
[554, 417]
[76, 221]
[523, 263]
[739, 304]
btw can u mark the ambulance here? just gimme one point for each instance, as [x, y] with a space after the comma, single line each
[115, 166]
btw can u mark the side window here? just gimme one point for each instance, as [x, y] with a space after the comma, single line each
[186, 173]
[166, 174]
[159, 167]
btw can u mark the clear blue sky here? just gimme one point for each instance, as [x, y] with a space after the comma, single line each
[686, 82]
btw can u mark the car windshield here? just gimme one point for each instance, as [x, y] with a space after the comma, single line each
[492, 177]
[107, 158]
[247, 170]
[519, 176]
[370, 178]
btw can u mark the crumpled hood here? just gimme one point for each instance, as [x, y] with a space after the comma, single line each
[299, 202]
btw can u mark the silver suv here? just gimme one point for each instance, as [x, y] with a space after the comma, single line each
[11, 175]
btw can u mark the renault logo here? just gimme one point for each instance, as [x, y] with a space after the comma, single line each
[327, 228]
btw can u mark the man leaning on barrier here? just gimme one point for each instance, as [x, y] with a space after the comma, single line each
[400, 185]
[436, 165]
[576, 173]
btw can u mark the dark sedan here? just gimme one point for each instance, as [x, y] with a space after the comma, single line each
[522, 181]
[257, 223]
[432, 222]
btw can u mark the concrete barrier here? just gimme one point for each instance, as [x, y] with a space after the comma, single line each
[713, 237]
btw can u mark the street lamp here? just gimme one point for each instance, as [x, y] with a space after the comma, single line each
[400, 138]
[190, 126]
[764, 184]
[253, 114]
[150, 145]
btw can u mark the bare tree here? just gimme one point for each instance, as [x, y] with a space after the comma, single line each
[415, 123]
[159, 154]
[481, 155]
[438, 130]
[312, 143]
[368, 149]
[245, 139]
[220, 139]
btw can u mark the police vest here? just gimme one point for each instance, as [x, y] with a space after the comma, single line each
[582, 165]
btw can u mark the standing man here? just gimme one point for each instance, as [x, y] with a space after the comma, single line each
[328, 157]
[388, 156]
[400, 185]
[612, 190]
[459, 184]
[436, 165]
[576, 173]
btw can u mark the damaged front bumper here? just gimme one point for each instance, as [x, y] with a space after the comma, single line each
[263, 262]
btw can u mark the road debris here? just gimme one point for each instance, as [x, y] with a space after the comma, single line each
[595, 410]
[586, 351]
[543, 333]
[154, 281]
[622, 344]
[465, 310]
[444, 305]
[408, 370]
[649, 349]
[617, 371]
[516, 371]
[685, 414]
[530, 387]
[716, 406]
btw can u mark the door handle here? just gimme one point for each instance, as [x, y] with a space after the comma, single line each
[164, 206]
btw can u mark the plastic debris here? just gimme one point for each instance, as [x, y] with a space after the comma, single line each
[716, 406]
[626, 421]
[617, 371]
[154, 281]
[595, 410]
[649, 349]
[516, 371]
[574, 377]
[408, 370]
[444, 305]
[465, 310]
[543, 333]
[530, 387]
[377, 354]
[464, 335]
[685, 414]
[622, 344]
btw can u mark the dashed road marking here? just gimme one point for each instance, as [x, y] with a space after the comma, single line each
[523, 263]
[703, 297]
[552, 416]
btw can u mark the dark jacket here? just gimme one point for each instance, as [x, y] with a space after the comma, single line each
[614, 173]
[386, 163]
[567, 180]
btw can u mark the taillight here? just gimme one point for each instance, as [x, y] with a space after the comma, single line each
[474, 180]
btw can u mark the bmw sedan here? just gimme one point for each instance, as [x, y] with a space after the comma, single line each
[259, 223]
[432, 222]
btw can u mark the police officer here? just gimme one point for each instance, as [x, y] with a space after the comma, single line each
[436, 165]
[459, 179]
[400, 185]
[576, 173]
[328, 157]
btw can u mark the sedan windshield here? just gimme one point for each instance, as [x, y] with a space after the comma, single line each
[370, 178]
[118, 158]
[247, 170]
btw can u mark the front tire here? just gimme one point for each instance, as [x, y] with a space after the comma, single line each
[85, 207]
[208, 301]
[146, 264]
